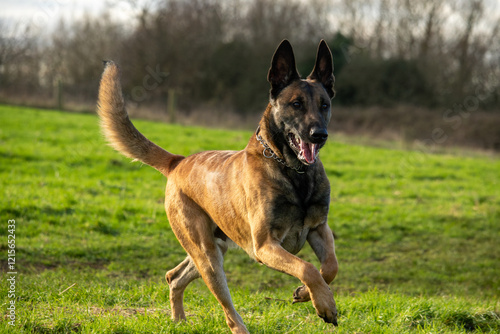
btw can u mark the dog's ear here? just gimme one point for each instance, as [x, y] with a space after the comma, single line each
[283, 70]
[323, 69]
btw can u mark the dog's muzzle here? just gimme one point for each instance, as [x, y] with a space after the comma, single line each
[307, 151]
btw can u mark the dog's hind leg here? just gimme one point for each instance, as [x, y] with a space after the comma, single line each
[209, 261]
[195, 231]
[178, 279]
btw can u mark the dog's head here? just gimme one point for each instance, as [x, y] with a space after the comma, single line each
[301, 107]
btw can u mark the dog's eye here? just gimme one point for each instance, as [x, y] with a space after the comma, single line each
[297, 105]
[324, 106]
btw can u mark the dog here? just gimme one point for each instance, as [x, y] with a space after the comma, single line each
[268, 199]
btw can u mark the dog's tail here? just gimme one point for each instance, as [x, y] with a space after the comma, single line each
[119, 130]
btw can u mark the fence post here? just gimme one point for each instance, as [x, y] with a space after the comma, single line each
[171, 106]
[60, 99]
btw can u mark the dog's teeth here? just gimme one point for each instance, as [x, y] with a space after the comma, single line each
[309, 152]
[295, 141]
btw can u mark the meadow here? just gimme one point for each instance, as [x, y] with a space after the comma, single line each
[417, 237]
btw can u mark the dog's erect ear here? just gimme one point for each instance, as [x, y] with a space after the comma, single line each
[283, 70]
[323, 70]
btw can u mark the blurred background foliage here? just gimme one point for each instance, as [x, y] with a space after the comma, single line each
[424, 55]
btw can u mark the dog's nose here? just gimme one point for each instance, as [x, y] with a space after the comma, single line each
[318, 134]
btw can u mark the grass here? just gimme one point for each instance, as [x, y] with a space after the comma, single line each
[417, 237]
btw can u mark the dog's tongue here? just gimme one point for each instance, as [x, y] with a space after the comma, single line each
[309, 151]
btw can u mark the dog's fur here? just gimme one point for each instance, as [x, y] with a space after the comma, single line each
[269, 198]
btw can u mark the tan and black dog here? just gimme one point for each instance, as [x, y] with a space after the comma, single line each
[269, 199]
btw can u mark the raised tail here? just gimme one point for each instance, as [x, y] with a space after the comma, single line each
[119, 130]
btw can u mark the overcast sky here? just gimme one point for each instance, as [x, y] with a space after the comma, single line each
[45, 14]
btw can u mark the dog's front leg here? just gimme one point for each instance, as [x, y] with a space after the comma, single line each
[270, 253]
[322, 242]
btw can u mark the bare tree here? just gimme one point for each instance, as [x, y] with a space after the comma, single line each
[216, 51]
[76, 51]
[18, 53]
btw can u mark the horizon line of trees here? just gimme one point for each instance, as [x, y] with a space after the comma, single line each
[429, 53]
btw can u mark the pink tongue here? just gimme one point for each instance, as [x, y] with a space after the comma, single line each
[309, 151]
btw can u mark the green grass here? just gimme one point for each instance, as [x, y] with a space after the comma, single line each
[418, 237]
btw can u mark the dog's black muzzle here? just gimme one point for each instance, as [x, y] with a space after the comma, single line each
[318, 135]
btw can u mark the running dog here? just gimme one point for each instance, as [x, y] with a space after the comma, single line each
[269, 199]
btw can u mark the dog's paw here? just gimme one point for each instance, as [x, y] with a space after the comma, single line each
[328, 314]
[301, 295]
[325, 305]
[330, 318]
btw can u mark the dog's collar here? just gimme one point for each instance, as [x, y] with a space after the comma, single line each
[269, 153]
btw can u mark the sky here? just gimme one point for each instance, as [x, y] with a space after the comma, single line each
[46, 14]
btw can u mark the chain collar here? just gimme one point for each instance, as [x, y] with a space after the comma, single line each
[268, 153]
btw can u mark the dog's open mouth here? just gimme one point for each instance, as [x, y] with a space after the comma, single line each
[306, 152]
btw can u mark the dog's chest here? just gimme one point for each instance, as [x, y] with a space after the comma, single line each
[296, 212]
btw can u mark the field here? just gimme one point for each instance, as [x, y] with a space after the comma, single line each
[417, 237]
